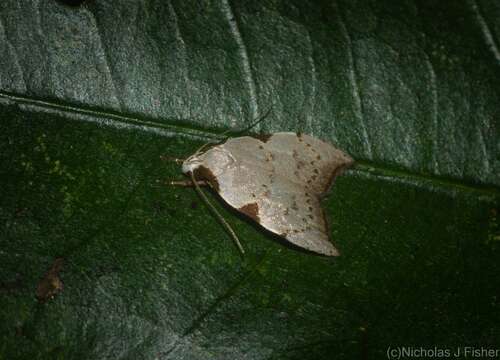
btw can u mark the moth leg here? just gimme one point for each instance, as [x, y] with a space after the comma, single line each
[216, 213]
[170, 158]
[188, 183]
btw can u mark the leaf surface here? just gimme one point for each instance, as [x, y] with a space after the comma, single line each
[92, 96]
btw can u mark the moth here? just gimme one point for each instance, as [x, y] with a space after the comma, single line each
[277, 181]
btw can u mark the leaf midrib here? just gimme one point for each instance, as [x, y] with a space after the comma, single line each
[186, 129]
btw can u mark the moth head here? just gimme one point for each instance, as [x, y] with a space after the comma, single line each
[217, 158]
[191, 164]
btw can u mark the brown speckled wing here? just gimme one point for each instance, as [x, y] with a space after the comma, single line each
[278, 183]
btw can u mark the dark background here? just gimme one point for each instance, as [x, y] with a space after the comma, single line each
[91, 96]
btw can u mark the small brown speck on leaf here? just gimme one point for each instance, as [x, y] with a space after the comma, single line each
[318, 157]
[20, 212]
[316, 171]
[50, 284]
[251, 210]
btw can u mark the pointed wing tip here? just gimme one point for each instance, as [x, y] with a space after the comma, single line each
[334, 252]
[330, 251]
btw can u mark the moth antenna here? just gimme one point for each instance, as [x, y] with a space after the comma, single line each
[216, 213]
[173, 159]
[253, 124]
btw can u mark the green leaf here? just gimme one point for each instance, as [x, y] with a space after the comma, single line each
[92, 96]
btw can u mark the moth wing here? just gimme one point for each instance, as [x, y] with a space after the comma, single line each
[282, 208]
[261, 180]
[308, 161]
[298, 217]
